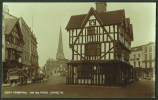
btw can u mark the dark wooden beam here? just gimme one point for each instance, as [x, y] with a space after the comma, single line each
[80, 55]
[107, 52]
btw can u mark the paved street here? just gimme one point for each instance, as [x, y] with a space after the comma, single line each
[55, 87]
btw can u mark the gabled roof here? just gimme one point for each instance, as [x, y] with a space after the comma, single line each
[23, 21]
[138, 48]
[112, 17]
[76, 21]
[92, 11]
[10, 23]
[108, 18]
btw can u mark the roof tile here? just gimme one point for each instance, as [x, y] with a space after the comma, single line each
[10, 23]
[108, 18]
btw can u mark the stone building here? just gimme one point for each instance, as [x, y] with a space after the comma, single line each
[136, 56]
[58, 66]
[143, 58]
[34, 56]
[30, 54]
[26, 31]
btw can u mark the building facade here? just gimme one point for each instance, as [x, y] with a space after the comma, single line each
[144, 57]
[26, 31]
[55, 67]
[12, 45]
[34, 56]
[136, 56]
[58, 66]
[27, 38]
[100, 42]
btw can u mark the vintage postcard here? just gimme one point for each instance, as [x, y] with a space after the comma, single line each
[78, 50]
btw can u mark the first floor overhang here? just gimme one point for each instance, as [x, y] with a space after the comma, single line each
[14, 47]
[99, 62]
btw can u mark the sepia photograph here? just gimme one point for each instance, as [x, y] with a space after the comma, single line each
[78, 50]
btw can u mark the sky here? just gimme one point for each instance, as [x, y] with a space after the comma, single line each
[45, 20]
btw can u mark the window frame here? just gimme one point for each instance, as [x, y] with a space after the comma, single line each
[93, 49]
[91, 30]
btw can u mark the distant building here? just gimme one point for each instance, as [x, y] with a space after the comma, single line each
[58, 66]
[144, 57]
[136, 56]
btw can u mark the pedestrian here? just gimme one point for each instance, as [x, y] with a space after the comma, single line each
[122, 82]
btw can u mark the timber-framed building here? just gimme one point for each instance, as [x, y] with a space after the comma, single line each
[100, 42]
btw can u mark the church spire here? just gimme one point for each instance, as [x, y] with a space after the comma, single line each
[60, 53]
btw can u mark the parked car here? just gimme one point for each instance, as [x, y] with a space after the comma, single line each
[14, 79]
[37, 78]
[17, 76]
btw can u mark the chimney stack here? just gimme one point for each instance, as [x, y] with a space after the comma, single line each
[101, 7]
[5, 8]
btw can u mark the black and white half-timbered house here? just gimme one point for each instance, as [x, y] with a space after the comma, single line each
[100, 42]
[13, 43]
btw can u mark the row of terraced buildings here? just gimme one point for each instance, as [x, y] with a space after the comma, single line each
[19, 46]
